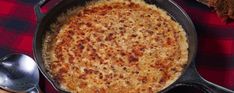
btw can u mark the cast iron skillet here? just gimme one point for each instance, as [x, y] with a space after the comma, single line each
[190, 76]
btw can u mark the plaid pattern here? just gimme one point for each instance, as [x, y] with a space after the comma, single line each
[215, 57]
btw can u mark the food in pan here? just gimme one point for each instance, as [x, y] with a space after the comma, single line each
[115, 46]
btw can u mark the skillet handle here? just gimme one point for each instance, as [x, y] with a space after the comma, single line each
[193, 79]
[37, 9]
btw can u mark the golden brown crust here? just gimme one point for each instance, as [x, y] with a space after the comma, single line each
[224, 8]
[116, 46]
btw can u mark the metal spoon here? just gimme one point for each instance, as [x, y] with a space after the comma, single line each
[19, 73]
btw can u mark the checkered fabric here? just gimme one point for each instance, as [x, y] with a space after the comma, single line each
[215, 57]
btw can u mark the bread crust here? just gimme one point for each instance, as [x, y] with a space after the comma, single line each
[224, 8]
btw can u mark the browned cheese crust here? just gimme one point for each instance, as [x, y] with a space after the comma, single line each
[115, 46]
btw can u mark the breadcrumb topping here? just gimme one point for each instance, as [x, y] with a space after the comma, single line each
[115, 46]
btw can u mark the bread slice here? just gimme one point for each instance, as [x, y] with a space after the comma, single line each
[224, 8]
[231, 8]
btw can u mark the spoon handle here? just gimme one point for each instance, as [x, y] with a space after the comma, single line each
[35, 90]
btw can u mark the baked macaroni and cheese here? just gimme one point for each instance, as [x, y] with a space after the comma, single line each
[115, 46]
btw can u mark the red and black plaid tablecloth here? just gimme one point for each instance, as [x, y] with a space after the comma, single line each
[215, 57]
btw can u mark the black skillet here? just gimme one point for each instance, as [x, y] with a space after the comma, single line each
[190, 76]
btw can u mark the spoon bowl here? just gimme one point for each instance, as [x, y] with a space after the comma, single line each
[18, 73]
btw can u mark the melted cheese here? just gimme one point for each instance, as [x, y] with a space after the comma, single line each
[116, 46]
